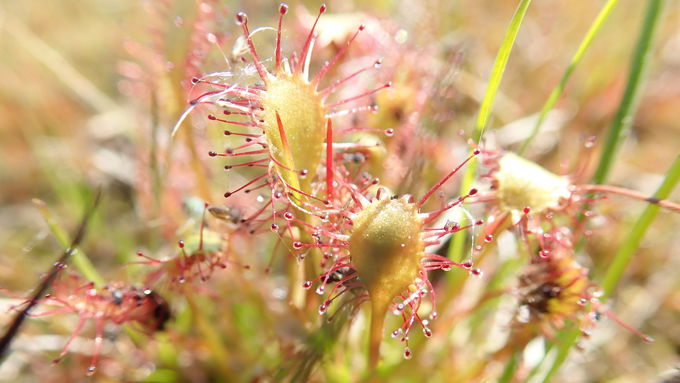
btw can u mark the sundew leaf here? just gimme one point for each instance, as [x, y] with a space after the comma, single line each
[622, 257]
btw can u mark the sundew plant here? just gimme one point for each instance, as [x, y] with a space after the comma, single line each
[441, 191]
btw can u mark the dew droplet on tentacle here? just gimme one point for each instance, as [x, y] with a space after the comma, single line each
[241, 18]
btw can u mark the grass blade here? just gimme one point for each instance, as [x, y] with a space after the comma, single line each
[618, 130]
[486, 107]
[64, 71]
[79, 259]
[575, 60]
[498, 69]
[624, 116]
[509, 370]
[630, 244]
[70, 249]
[621, 258]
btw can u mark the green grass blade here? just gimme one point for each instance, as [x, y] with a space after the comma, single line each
[630, 244]
[549, 347]
[575, 60]
[486, 107]
[79, 259]
[624, 116]
[619, 128]
[509, 370]
[63, 70]
[498, 69]
[566, 340]
[622, 258]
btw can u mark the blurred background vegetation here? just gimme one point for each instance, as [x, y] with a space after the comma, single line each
[71, 121]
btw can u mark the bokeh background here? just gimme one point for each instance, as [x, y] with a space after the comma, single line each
[72, 119]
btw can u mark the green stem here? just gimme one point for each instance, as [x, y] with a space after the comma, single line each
[378, 312]
[624, 116]
[486, 107]
[575, 60]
